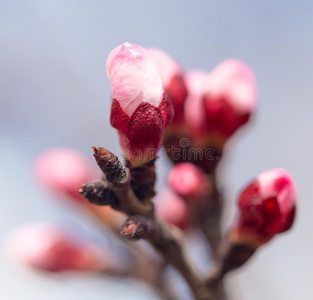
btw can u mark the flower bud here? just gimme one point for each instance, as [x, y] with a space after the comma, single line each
[219, 102]
[137, 227]
[172, 209]
[190, 183]
[196, 82]
[267, 207]
[173, 81]
[140, 109]
[48, 248]
[230, 98]
[64, 170]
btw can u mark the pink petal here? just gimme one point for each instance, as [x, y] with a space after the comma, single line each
[234, 80]
[196, 82]
[134, 77]
[167, 66]
[64, 170]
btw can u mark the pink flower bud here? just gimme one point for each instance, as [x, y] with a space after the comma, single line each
[196, 82]
[172, 209]
[140, 109]
[173, 81]
[230, 98]
[219, 102]
[190, 183]
[267, 207]
[46, 247]
[64, 170]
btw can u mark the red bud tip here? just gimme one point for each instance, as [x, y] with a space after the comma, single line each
[267, 207]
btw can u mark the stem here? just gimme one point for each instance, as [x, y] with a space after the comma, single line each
[164, 290]
[209, 216]
[125, 194]
[231, 255]
[142, 222]
[164, 241]
[129, 203]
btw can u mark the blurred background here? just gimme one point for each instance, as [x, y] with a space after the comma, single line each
[54, 92]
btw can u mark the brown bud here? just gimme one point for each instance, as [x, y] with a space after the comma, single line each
[109, 164]
[143, 180]
[97, 192]
[136, 228]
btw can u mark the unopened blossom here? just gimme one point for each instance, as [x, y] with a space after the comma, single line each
[190, 183]
[196, 82]
[46, 247]
[172, 76]
[230, 97]
[140, 108]
[267, 207]
[221, 101]
[64, 170]
[172, 209]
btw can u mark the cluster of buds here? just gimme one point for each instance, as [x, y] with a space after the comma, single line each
[153, 102]
[217, 104]
[208, 107]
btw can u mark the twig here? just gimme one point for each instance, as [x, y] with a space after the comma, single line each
[230, 256]
[209, 216]
[142, 222]
[164, 241]
[118, 178]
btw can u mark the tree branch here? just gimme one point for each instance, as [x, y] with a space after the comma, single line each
[142, 222]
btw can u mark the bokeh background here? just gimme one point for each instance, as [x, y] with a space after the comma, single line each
[54, 92]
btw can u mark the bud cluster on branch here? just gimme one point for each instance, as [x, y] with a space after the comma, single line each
[155, 103]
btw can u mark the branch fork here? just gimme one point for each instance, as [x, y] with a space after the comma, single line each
[116, 190]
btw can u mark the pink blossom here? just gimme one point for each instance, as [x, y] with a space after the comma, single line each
[267, 207]
[46, 247]
[220, 102]
[172, 76]
[189, 182]
[196, 82]
[171, 209]
[230, 97]
[134, 77]
[64, 170]
[140, 109]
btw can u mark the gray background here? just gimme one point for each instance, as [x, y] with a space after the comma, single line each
[54, 92]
